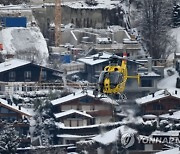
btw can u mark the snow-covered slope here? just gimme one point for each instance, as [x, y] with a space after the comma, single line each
[17, 39]
[168, 81]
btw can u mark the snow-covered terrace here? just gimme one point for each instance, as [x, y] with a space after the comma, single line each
[80, 94]
[174, 92]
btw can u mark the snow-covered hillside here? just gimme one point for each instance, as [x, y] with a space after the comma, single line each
[168, 81]
[16, 39]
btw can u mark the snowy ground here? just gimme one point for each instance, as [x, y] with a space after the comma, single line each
[23, 39]
[168, 81]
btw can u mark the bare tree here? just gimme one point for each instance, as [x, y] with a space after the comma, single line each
[156, 21]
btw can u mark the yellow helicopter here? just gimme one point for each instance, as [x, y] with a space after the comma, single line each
[113, 78]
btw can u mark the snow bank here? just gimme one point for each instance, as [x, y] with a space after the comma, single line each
[168, 81]
[16, 39]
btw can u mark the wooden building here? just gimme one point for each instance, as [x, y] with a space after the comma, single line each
[160, 102]
[17, 116]
[87, 105]
[14, 73]
[16, 70]
[74, 118]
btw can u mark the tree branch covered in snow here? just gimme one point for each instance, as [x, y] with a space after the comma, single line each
[9, 140]
[45, 123]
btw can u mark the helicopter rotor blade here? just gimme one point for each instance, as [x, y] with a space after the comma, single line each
[114, 57]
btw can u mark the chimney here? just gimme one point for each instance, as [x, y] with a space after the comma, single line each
[149, 64]
[170, 112]
[152, 94]
[176, 92]
[19, 107]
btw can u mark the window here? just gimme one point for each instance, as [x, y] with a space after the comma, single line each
[158, 107]
[43, 75]
[146, 83]
[27, 75]
[4, 110]
[85, 99]
[12, 76]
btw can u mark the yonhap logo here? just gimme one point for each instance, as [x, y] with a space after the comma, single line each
[127, 140]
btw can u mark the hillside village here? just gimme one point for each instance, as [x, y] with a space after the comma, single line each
[55, 98]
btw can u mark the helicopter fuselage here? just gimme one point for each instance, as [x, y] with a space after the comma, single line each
[113, 79]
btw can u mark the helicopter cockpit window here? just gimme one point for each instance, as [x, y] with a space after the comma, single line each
[115, 79]
[102, 77]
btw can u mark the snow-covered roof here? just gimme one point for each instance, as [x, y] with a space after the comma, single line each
[112, 136]
[172, 151]
[12, 63]
[65, 113]
[168, 81]
[80, 94]
[149, 74]
[91, 61]
[15, 108]
[159, 95]
[168, 133]
[70, 136]
[149, 116]
[14, 7]
[175, 116]
[102, 4]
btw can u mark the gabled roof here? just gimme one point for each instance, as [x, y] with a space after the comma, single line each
[159, 95]
[80, 94]
[15, 108]
[12, 63]
[90, 61]
[72, 111]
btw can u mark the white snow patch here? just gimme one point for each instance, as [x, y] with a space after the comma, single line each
[168, 81]
[23, 39]
[100, 58]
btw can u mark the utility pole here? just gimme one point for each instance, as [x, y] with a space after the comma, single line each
[57, 23]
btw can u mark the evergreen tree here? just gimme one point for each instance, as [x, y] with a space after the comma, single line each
[45, 123]
[9, 140]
